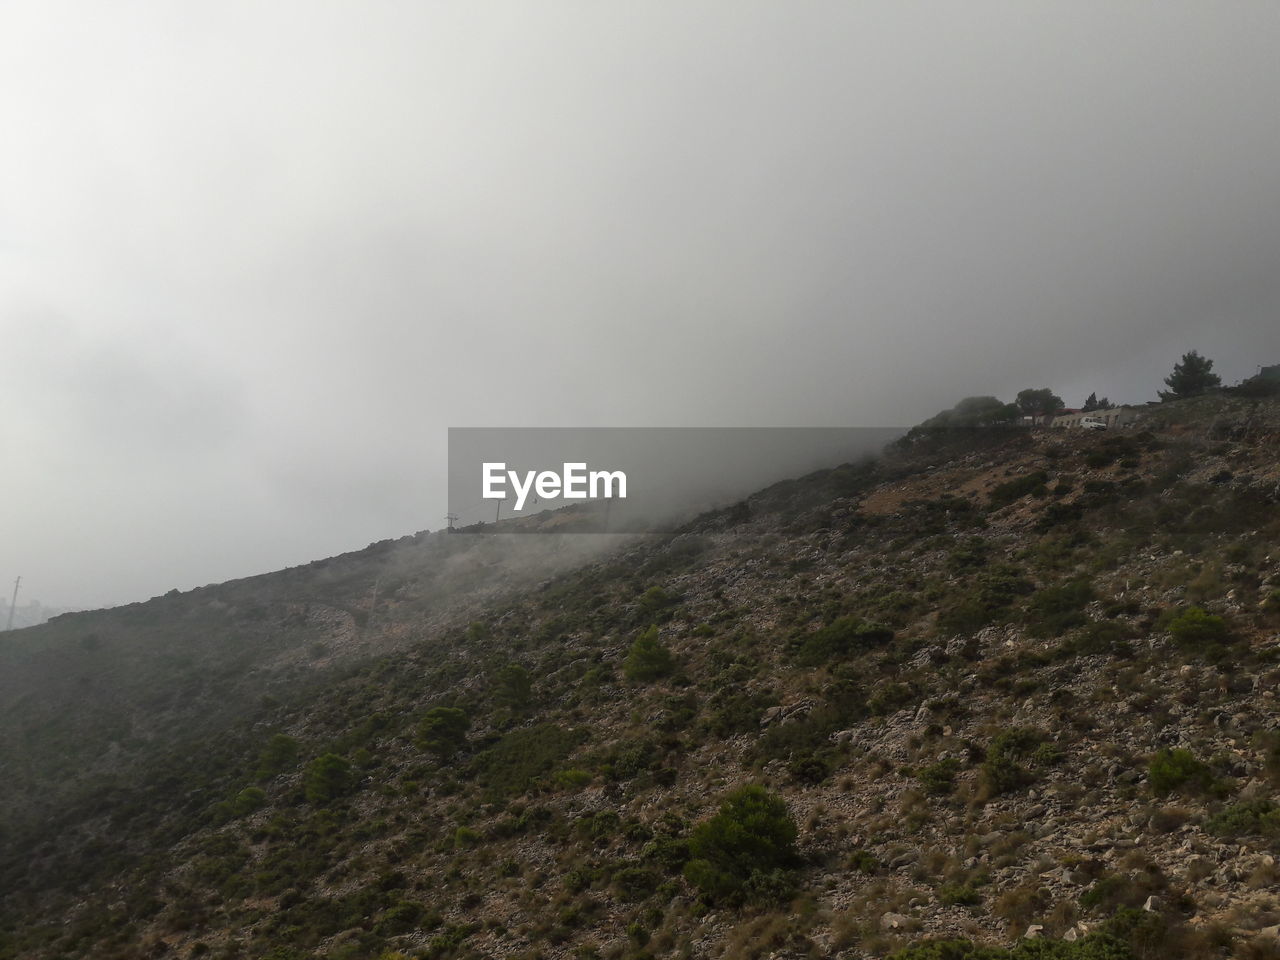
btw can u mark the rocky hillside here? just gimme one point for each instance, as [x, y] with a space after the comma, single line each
[1007, 688]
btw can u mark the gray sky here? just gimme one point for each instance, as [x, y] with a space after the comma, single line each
[255, 258]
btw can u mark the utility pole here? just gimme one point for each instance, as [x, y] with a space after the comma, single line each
[496, 512]
[450, 518]
[13, 604]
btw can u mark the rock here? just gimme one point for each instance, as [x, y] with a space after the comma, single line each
[1153, 904]
[893, 921]
[1034, 931]
[1071, 935]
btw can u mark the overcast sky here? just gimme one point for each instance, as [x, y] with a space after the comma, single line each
[255, 258]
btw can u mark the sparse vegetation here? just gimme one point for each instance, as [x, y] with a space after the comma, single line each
[558, 769]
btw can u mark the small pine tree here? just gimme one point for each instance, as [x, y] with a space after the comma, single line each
[1191, 377]
[1093, 403]
[515, 686]
[280, 753]
[648, 659]
[746, 850]
[327, 778]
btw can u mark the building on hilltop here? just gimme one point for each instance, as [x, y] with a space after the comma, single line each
[1113, 418]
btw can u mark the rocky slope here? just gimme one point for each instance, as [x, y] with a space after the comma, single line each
[1008, 686]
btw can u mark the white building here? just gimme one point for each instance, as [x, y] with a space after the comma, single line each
[1114, 418]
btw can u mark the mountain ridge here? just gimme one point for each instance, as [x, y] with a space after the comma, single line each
[964, 668]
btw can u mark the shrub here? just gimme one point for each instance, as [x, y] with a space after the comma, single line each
[648, 659]
[327, 778]
[988, 601]
[280, 753]
[670, 853]
[246, 802]
[515, 686]
[401, 918]
[1170, 770]
[515, 762]
[1197, 629]
[1116, 891]
[636, 883]
[958, 895]
[863, 861]
[939, 778]
[573, 778]
[443, 731]
[808, 768]
[1001, 771]
[1259, 817]
[1054, 610]
[1103, 636]
[841, 638]
[1096, 946]
[736, 852]
[1016, 489]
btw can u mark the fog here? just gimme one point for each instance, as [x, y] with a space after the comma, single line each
[255, 260]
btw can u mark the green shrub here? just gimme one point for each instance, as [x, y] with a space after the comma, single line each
[863, 861]
[514, 686]
[280, 753]
[986, 601]
[518, 760]
[1054, 610]
[841, 638]
[958, 895]
[1034, 484]
[670, 853]
[573, 778]
[735, 854]
[443, 731]
[1001, 772]
[1197, 629]
[245, 802]
[401, 918]
[939, 778]
[327, 778]
[809, 768]
[1100, 637]
[735, 711]
[1115, 891]
[1170, 770]
[1257, 817]
[655, 599]
[636, 883]
[648, 659]
[1096, 946]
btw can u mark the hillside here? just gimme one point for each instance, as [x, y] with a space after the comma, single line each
[1008, 686]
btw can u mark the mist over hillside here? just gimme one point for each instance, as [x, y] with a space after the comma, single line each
[843, 441]
[1002, 684]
